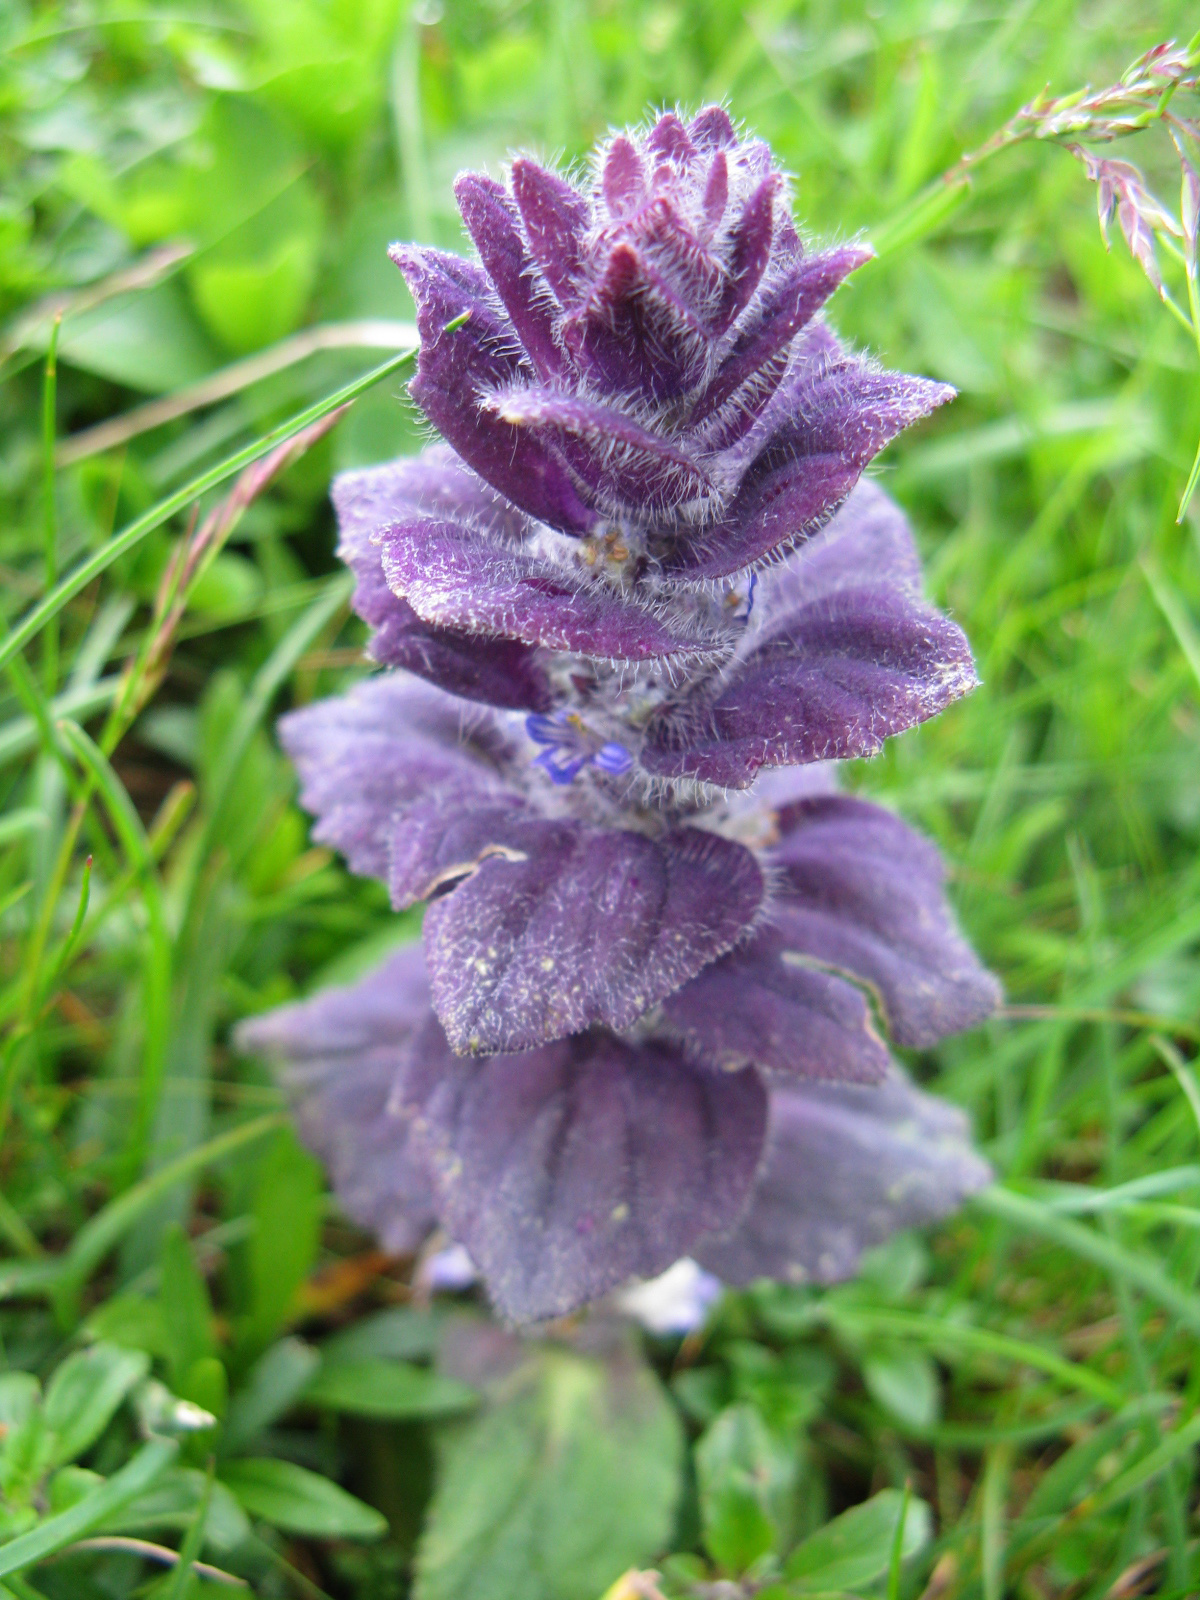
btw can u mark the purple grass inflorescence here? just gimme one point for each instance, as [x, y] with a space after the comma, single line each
[641, 568]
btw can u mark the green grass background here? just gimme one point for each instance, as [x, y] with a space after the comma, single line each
[1030, 1369]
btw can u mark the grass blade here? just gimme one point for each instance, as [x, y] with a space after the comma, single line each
[98, 1236]
[1023, 1212]
[47, 609]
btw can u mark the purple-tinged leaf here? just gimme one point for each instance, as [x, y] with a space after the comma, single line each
[500, 672]
[438, 843]
[848, 656]
[454, 369]
[685, 275]
[633, 335]
[455, 578]
[711, 129]
[783, 310]
[627, 465]
[494, 226]
[623, 180]
[669, 138]
[846, 1167]
[859, 891]
[568, 1169]
[556, 218]
[436, 482]
[389, 743]
[574, 926]
[338, 1055]
[716, 195]
[750, 253]
[842, 418]
[766, 1005]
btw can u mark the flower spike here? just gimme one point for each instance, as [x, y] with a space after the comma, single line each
[635, 603]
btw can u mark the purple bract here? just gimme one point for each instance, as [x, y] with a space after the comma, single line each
[641, 569]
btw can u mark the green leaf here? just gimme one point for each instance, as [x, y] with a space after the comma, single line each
[392, 1389]
[229, 585]
[298, 1501]
[56, 1532]
[19, 1394]
[69, 1486]
[402, 1333]
[149, 341]
[169, 1505]
[85, 1392]
[742, 1473]
[133, 1321]
[855, 1549]
[287, 1218]
[186, 1308]
[274, 1383]
[569, 1478]
[906, 1383]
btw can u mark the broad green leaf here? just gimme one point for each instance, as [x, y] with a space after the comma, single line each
[298, 1501]
[402, 1333]
[906, 1383]
[69, 1486]
[26, 1456]
[186, 1308]
[393, 1389]
[150, 341]
[131, 1320]
[287, 1213]
[85, 1392]
[169, 1506]
[855, 1549]
[19, 1393]
[743, 1473]
[272, 1386]
[230, 585]
[568, 1478]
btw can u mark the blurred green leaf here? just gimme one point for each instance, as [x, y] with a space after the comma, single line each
[69, 1486]
[149, 341]
[387, 1389]
[133, 1321]
[286, 1211]
[20, 1392]
[83, 1395]
[169, 1506]
[58, 1531]
[742, 1472]
[906, 1383]
[230, 585]
[271, 1387]
[186, 1308]
[568, 1477]
[401, 1333]
[855, 1549]
[299, 1501]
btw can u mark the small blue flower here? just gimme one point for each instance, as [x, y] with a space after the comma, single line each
[571, 746]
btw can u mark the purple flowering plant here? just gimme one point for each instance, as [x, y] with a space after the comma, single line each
[635, 606]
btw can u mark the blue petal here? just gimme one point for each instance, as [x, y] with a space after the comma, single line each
[613, 758]
[561, 766]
